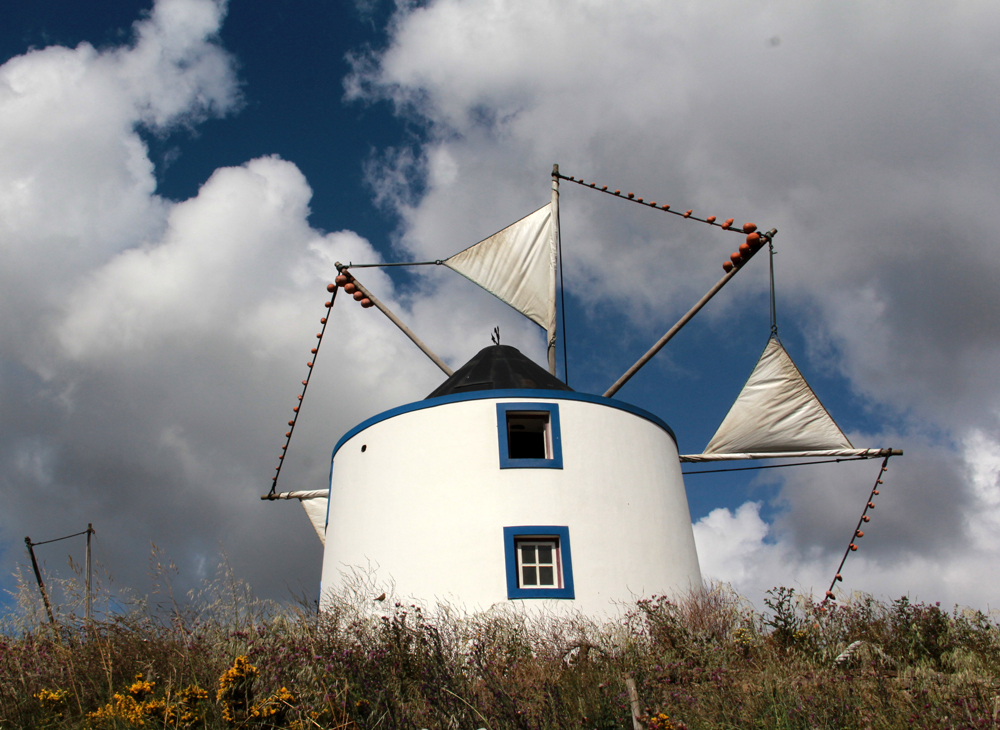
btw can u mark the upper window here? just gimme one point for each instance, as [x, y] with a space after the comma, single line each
[538, 562]
[529, 435]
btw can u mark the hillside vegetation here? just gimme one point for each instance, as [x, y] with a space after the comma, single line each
[225, 660]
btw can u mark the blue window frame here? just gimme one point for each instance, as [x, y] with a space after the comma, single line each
[539, 563]
[529, 436]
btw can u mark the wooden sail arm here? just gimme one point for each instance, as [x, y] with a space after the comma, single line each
[730, 273]
[846, 453]
[398, 322]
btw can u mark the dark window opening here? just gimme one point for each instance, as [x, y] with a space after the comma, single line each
[528, 436]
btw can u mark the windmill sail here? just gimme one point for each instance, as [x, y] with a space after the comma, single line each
[516, 265]
[314, 502]
[777, 414]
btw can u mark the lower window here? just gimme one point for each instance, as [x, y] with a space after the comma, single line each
[539, 564]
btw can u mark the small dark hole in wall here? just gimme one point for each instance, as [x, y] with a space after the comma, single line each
[364, 448]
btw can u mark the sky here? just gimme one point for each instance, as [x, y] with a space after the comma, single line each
[177, 179]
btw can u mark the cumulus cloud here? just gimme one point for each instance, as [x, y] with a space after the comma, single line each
[151, 348]
[932, 535]
[862, 136]
[77, 185]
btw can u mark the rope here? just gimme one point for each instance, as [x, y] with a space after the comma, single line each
[858, 533]
[776, 466]
[332, 288]
[57, 539]
[711, 220]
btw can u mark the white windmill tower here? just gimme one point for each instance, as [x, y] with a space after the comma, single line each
[504, 484]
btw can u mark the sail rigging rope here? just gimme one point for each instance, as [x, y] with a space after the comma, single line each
[332, 288]
[858, 532]
[57, 539]
[711, 220]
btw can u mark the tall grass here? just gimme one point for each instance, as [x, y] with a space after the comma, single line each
[222, 658]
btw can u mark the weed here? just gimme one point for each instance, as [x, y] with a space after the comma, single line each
[223, 659]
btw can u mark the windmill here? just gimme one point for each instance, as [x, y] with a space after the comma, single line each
[504, 484]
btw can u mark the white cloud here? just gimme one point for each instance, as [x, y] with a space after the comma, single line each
[175, 363]
[218, 250]
[152, 350]
[933, 534]
[731, 544]
[76, 184]
[982, 461]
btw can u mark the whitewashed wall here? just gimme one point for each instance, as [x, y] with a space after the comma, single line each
[426, 502]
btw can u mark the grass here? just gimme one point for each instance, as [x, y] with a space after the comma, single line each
[222, 659]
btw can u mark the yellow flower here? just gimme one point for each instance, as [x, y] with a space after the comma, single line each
[242, 672]
[276, 704]
[236, 690]
[121, 707]
[192, 694]
[743, 637]
[53, 702]
[140, 688]
[661, 721]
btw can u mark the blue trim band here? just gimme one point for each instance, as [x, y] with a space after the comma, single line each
[510, 558]
[556, 462]
[524, 393]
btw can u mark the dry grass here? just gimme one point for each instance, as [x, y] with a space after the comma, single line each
[223, 659]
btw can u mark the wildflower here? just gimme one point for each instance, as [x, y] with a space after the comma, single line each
[190, 708]
[236, 690]
[53, 702]
[242, 673]
[141, 688]
[122, 708]
[743, 637]
[273, 708]
[662, 721]
[191, 694]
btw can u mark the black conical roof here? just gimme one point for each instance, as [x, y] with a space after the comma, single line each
[498, 367]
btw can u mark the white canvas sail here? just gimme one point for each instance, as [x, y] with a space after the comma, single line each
[314, 503]
[775, 415]
[517, 265]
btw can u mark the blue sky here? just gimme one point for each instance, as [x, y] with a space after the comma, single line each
[176, 192]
